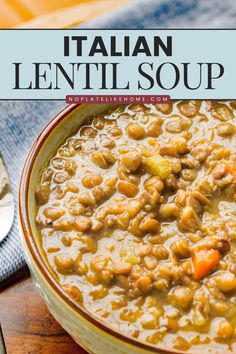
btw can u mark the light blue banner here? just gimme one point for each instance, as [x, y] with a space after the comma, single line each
[185, 64]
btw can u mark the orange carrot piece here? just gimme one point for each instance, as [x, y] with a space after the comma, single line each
[152, 142]
[231, 168]
[204, 261]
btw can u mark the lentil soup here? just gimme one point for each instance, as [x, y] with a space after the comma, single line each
[136, 216]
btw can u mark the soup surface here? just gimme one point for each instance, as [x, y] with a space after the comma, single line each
[137, 218]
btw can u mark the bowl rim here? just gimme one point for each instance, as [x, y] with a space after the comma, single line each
[29, 240]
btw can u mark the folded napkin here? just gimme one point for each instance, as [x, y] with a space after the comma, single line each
[20, 124]
[22, 121]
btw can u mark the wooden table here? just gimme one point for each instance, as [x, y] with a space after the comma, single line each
[27, 326]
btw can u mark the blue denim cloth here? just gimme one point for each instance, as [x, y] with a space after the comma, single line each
[22, 121]
[169, 14]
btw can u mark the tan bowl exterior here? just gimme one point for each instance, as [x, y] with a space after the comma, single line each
[87, 330]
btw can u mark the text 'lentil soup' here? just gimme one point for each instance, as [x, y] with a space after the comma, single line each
[137, 218]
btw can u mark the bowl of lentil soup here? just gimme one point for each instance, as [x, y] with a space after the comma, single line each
[128, 220]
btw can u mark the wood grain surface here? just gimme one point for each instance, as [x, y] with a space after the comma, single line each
[27, 325]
